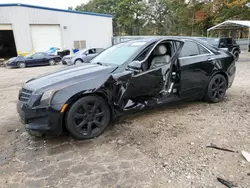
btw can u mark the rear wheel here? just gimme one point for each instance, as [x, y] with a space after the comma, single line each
[21, 64]
[52, 62]
[216, 89]
[88, 117]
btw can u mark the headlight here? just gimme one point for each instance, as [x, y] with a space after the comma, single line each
[45, 100]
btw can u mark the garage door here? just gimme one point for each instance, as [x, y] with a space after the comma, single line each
[45, 37]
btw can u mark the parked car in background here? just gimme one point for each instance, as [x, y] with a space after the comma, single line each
[228, 44]
[132, 75]
[31, 60]
[81, 56]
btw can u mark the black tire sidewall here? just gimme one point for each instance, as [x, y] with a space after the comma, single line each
[69, 117]
[209, 97]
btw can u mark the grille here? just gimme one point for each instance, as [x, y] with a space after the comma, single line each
[25, 94]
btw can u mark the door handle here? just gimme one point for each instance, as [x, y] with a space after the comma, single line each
[211, 59]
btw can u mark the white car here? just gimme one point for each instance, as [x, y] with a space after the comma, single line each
[81, 56]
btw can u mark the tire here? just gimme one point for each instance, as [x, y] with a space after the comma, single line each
[52, 62]
[236, 55]
[21, 64]
[217, 88]
[78, 62]
[88, 117]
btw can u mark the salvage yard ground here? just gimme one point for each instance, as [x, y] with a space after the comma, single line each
[164, 147]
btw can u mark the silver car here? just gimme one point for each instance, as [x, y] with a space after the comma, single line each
[81, 56]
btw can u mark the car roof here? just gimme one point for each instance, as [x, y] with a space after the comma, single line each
[150, 40]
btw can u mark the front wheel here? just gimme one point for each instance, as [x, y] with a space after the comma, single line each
[21, 64]
[88, 117]
[78, 62]
[216, 90]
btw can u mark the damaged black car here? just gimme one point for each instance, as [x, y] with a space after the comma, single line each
[83, 100]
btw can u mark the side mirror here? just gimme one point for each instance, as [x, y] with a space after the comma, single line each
[135, 65]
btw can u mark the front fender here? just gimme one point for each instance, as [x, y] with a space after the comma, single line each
[67, 94]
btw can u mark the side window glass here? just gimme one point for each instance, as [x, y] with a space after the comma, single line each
[222, 43]
[92, 51]
[144, 53]
[37, 56]
[189, 49]
[203, 50]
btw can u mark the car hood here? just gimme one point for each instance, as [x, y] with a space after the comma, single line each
[68, 76]
[12, 59]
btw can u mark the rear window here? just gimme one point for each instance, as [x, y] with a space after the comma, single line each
[211, 41]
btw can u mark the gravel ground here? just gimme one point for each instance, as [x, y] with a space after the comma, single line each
[164, 147]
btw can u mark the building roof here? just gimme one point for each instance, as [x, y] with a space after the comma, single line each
[55, 9]
[231, 24]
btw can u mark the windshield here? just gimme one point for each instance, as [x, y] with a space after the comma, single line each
[118, 54]
[29, 55]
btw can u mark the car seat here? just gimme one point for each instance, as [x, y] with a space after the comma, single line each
[161, 57]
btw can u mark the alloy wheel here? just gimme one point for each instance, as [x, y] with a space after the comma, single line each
[22, 65]
[218, 88]
[52, 62]
[89, 118]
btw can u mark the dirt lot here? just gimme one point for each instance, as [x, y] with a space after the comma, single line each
[165, 147]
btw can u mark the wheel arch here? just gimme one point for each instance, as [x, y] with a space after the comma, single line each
[21, 61]
[219, 72]
[78, 59]
[80, 95]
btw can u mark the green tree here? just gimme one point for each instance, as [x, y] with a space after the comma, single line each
[167, 17]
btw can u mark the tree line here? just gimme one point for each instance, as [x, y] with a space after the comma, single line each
[167, 17]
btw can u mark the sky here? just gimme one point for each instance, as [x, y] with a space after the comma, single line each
[61, 4]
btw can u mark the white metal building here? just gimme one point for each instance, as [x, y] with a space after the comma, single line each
[26, 28]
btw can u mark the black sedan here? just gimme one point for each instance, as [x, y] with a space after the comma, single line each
[37, 59]
[133, 75]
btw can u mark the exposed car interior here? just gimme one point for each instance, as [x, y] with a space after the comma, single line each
[158, 57]
[161, 56]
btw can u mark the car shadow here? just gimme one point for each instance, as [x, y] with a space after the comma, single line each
[64, 143]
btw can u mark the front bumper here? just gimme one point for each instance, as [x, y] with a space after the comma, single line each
[11, 64]
[45, 120]
[67, 61]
